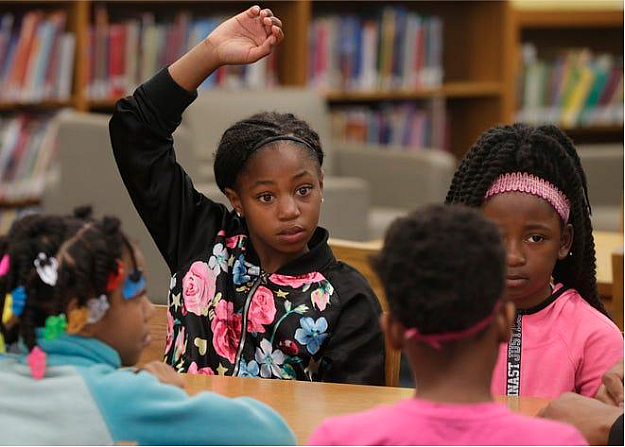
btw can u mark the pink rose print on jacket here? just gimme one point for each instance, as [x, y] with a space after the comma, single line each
[231, 242]
[296, 281]
[262, 310]
[320, 297]
[193, 369]
[170, 332]
[226, 326]
[198, 288]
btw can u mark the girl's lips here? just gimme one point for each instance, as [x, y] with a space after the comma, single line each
[292, 235]
[515, 281]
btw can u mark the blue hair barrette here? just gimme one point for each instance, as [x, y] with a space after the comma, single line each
[133, 288]
[18, 297]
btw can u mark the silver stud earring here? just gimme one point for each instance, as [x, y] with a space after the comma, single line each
[322, 200]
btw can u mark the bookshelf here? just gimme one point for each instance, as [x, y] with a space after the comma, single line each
[480, 53]
[598, 27]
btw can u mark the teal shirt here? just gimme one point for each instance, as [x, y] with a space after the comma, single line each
[85, 398]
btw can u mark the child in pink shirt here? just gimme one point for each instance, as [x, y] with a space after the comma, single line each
[529, 181]
[443, 271]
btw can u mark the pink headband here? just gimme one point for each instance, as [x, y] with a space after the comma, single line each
[523, 182]
[435, 340]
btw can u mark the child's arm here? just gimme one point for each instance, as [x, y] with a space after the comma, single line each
[180, 219]
[137, 408]
[355, 351]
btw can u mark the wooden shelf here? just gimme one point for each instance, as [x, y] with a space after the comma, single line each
[449, 90]
[101, 103]
[569, 19]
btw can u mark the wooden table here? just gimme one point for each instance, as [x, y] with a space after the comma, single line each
[304, 405]
[606, 242]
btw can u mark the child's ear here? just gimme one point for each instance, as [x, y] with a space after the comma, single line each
[504, 320]
[393, 330]
[322, 174]
[566, 241]
[235, 201]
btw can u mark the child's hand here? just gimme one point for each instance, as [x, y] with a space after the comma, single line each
[246, 37]
[164, 373]
[611, 391]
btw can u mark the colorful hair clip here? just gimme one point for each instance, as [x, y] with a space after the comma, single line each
[55, 326]
[97, 308]
[115, 278]
[4, 265]
[77, 320]
[18, 296]
[134, 285]
[47, 268]
[36, 360]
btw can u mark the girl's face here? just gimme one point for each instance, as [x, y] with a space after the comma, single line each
[125, 327]
[534, 239]
[279, 193]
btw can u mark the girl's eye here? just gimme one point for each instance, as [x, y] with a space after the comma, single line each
[535, 238]
[304, 190]
[265, 198]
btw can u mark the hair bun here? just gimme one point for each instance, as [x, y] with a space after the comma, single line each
[83, 212]
[110, 225]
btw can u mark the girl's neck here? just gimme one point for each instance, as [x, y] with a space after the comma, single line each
[272, 260]
[462, 377]
[535, 299]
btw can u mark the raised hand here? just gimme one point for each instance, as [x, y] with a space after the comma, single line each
[242, 39]
[246, 37]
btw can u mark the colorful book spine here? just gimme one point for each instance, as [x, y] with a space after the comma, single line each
[576, 88]
[394, 50]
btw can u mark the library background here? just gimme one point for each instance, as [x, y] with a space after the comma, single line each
[397, 90]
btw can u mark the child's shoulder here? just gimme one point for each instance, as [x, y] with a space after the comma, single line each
[522, 429]
[576, 308]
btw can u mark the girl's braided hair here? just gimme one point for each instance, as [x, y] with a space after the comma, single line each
[546, 152]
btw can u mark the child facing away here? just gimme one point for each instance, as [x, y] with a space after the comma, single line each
[256, 291]
[443, 270]
[530, 182]
[74, 292]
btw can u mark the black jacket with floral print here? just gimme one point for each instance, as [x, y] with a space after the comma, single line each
[313, 319]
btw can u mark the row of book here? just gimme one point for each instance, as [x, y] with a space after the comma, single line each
[393, 51]
[27, 154]
[404, 126]
[36, 57]
[573, 88]
[125, 53]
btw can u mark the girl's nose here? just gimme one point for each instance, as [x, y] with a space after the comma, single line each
[514, 254]
[288, 209]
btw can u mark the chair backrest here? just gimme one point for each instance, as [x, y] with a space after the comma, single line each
[89, 175]
[357, 254]
[616, 304]
[216, 110]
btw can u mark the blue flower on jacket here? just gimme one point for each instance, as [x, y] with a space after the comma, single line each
[249, 370]
[239, 271]
[312, 333]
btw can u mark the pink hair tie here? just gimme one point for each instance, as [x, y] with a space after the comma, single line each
[4, 265]
[37, 362]
[435, 340]
[530, 184]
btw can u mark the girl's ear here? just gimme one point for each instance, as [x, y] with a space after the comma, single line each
[235, 201]
[566, 241]
[322, 174]
[393, 330]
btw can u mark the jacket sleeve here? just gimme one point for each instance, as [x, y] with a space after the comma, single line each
[179, 218]
[138, 408]
[355, 351]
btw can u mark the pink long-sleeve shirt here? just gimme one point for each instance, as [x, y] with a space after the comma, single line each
[564, 344]
[421, 422]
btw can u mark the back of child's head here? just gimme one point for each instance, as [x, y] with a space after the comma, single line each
[547, 153]
[51, 260]
[442, 268]
[241, 140]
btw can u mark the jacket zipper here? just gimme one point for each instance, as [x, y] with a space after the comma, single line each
[248, 300]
